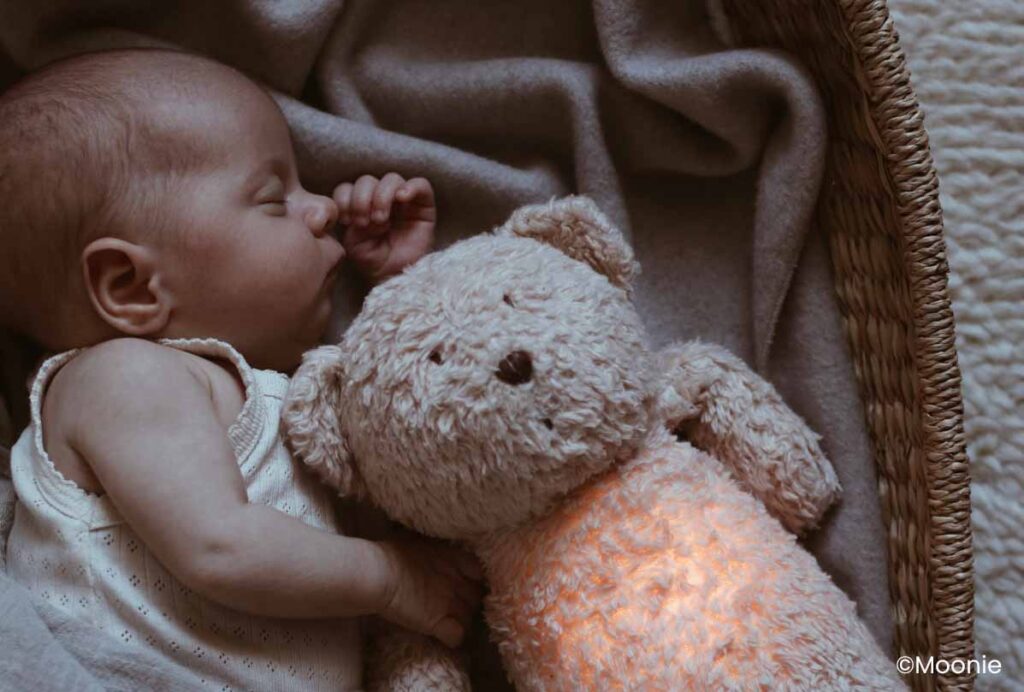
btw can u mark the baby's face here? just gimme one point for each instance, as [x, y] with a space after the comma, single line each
[253, 256]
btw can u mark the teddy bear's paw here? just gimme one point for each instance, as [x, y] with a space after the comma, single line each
[690, 370]
[403, 661]
[722, 407]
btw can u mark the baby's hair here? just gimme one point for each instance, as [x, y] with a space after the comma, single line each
[82, 157]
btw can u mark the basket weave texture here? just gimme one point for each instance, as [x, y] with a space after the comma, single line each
[880, 206]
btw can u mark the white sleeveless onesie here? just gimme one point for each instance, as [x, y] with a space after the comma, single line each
[72, 549]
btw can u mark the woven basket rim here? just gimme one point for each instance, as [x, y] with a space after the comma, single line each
[904, 144]
[899, 325]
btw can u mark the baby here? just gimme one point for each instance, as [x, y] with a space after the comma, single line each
[154, 234]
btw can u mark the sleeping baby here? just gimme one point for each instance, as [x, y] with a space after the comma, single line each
[155, 236]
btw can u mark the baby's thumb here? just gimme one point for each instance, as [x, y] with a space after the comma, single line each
[450, 632]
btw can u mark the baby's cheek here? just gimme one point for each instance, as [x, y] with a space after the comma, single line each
[298, 282]
[293, 268]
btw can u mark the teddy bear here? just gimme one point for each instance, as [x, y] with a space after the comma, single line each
[635, 512]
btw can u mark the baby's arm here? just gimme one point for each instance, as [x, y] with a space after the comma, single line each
[153, 440]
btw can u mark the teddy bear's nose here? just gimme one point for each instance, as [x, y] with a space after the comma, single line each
[515, 368]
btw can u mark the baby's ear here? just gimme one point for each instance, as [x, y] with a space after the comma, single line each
[310, 421]
[578, 228]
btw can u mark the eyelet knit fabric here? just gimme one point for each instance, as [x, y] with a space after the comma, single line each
[72, 549]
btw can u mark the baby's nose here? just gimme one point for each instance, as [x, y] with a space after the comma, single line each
[516, 368]
[322, 216]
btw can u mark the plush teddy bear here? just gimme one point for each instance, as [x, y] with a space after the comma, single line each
[501, 393]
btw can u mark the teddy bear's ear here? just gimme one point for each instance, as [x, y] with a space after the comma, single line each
[578, 228]
[310, 421]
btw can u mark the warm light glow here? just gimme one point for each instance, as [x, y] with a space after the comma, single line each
[665, 564]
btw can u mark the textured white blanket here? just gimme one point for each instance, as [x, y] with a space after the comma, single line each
[967, 65]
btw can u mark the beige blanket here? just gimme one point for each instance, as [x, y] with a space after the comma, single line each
[710, 158]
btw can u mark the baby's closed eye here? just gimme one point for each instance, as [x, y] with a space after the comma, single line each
[273, 195]
[275, 207]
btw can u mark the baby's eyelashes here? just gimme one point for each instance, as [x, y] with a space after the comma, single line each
[279, 208]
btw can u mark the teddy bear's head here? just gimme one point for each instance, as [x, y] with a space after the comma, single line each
[487, 380]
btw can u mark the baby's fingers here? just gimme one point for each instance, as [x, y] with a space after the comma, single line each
[362, 199]
[418, 190]
[384, 197]
[468, 595]
[453, 625]
[469, 565]
[343, 198]
[464, 574]
[457, 562]
[449, 631]
[462, 612]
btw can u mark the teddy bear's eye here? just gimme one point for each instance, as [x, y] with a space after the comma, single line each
[435, 357]
[508, 300]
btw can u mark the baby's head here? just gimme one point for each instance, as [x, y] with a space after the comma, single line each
[154, 193]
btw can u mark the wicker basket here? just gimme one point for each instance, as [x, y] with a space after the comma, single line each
[880, 205]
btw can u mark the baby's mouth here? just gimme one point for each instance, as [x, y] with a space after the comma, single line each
[332, 275]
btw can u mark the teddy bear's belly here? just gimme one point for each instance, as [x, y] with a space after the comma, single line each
[665, 575]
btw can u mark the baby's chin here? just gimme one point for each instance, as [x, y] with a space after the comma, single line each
[317, 327]
[322, 316]
[296, 337]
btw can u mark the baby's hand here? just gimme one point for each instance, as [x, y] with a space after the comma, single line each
[388, 223]
[435, 588]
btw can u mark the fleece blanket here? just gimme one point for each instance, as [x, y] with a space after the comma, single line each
[962, 58]
[710, 158]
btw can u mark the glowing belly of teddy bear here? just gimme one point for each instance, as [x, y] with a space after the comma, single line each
[661, 573]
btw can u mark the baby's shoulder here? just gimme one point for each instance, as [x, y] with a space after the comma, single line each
[123, 361]
[134, 381]
[94, 390]
[120, 371]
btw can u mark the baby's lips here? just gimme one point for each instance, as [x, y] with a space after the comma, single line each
[330, 279]
[332, 273]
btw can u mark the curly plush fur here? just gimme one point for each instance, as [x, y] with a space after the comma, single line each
[663, 574]
[500, 393]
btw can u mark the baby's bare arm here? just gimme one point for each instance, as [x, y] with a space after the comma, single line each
[151, 436]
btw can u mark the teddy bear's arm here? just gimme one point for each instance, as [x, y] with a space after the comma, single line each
[398, 660]
[730, 412]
